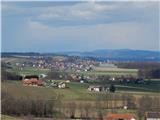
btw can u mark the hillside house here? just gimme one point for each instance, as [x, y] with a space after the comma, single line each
[152, 116]
[119, 117]
[81, 81]
[61, 85]
[96, 88]
[32, 80]
[67, 81]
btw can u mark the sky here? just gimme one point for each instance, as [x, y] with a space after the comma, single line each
[79, 26]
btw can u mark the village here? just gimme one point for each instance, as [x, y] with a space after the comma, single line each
[59, 63]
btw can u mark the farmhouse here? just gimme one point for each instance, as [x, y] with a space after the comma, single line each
[96, 88]
[61, 85]
[119, 117]
[152, 116]
[67, 81]
[32, 80]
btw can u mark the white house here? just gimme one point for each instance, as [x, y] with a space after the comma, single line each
[67, 81]
[81, 81]
[61, 85]
[97, 88]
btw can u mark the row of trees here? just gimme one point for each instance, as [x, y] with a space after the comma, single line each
[38, 107]
[149, 73]
[5, 75]
[146, 103]
[41, 107]
[95, 109]
[146, 69]
[138, 65]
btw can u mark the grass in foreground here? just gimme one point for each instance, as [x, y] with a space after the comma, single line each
[6, 117]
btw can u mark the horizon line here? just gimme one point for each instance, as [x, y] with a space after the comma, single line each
[76, 51]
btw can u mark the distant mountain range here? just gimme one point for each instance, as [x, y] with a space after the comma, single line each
[102, 55]
[119, 55]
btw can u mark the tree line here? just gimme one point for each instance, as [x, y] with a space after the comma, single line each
[24, 106]
[55, 108]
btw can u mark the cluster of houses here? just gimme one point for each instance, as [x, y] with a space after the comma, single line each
[93, 78]
[58, 63]
[52, 83]
[98, 88]
[33, 80]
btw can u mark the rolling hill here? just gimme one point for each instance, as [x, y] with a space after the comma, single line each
[119, 55]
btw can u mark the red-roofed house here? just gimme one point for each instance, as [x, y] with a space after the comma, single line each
[119, 117]
[32, 81]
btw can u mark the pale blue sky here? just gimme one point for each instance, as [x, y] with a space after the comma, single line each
[79, 26]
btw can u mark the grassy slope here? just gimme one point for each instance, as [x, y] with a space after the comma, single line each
[113, 74]
[76, 91]
[6, 117]
[29, 71]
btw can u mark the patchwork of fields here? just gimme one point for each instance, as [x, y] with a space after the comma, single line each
[77, 95]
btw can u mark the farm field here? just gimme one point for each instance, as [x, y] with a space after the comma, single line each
[97, 73]
[114, 72]
[110, 72]
[29, 71]
[76, 91]
[77, 94]
[103, 69]
[6, 117]
[14, 60]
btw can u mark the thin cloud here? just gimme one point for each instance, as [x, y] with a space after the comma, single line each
[90, 25]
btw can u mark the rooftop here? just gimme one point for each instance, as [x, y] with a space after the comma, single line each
[119, 116]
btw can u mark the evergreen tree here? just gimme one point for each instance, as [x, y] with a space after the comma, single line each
[112, 88]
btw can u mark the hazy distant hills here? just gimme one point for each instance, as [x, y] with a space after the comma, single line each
[102, 55]
[120, 55]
